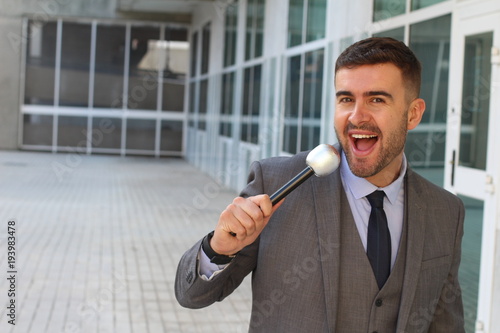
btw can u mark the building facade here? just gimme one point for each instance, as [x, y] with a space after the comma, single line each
[261, 84]
[226, 82]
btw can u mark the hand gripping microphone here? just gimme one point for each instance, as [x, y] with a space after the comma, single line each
[322, 161]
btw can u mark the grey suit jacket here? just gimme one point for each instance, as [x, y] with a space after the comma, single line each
[295, 261]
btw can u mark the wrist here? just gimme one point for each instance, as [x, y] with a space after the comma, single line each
[215, 258]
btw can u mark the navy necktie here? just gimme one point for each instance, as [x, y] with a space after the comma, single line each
[379, 239]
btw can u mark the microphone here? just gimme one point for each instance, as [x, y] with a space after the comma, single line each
[321, 161]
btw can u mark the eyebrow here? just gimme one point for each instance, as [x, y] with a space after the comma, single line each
[366, 94]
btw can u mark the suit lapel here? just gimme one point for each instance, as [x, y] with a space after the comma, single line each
[327, 192]
[414, 218]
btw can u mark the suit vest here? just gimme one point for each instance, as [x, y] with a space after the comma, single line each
[362, 306]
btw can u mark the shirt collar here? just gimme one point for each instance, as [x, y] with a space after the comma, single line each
[360, 187]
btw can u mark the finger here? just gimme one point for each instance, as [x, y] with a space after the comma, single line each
[249, 216]
[264, 203]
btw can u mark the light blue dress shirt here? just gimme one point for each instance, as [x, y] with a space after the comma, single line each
[356, 190]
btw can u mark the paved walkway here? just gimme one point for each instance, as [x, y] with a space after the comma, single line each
[98, 239]
[97, 242]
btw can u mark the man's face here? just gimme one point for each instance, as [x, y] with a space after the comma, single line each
[372, 117]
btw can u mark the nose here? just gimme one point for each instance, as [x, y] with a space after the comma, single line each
[359, 115]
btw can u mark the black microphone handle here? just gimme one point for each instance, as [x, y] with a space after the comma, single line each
[288, 187]
[291, 185]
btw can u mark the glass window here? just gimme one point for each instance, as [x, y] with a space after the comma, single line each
[303, 97]
[109, 66]
[174, 50]
[141, 134]
[40, 63]
[227, 99]
[143, 72]
[251, 104]
[417, 4]
[205, 49]
[476, 90]
[37, 129]
[292, 106]
[231, 32]
[75, 64]
[72, 132]
[430, 40]
[316, 20]
[192, 103]
[384, 9]
[314, 27]
[254, 29]
[171, 136]
[295, 22]
[311, 101]
[194, 53]
[398, 33]
[203, 104]
[106, 133]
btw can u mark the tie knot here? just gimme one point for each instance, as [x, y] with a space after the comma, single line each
[376, 199]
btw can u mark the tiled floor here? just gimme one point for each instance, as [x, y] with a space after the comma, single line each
[98, 239]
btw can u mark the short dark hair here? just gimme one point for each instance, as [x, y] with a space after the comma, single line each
[379, 50]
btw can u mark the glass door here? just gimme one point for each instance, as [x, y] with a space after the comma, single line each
[474, 161]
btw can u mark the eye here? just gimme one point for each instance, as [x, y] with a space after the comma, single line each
[378, 100]
[345, 100]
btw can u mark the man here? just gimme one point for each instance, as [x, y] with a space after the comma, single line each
[329, 258]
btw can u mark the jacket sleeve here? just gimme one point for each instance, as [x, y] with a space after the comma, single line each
[194, 292]
[449, 316]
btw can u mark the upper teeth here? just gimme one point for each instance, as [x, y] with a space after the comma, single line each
[363, 136]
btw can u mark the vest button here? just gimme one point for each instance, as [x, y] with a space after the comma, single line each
[378, 302]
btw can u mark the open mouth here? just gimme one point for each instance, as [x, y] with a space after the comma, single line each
[364, 142]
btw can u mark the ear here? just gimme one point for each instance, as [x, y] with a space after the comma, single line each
[415, 113]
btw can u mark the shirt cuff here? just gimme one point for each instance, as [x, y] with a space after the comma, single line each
[206, 269]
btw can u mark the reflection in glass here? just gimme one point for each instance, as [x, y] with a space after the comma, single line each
[295, 22]
[171, 136]
[417, 4]
[37, 129]
[203, 104]
[106, 133]
[316, 20]
[231, 32]
[72, 132]
[143, 78]
[476, 101]
[303, 101]
[109, 66]
[313, 93]
[194, 54]
[430, 40]
[471, 259]
[292, 94]
[254, 29]
[290, 137]
[40, 63]
[398, 34]
[205, 48]
[173, 54]
[226, 110]
[141, 134]
[384, 9]
[75, 64]
[251, 104]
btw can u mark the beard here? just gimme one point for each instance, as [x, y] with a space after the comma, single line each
[391, 145]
